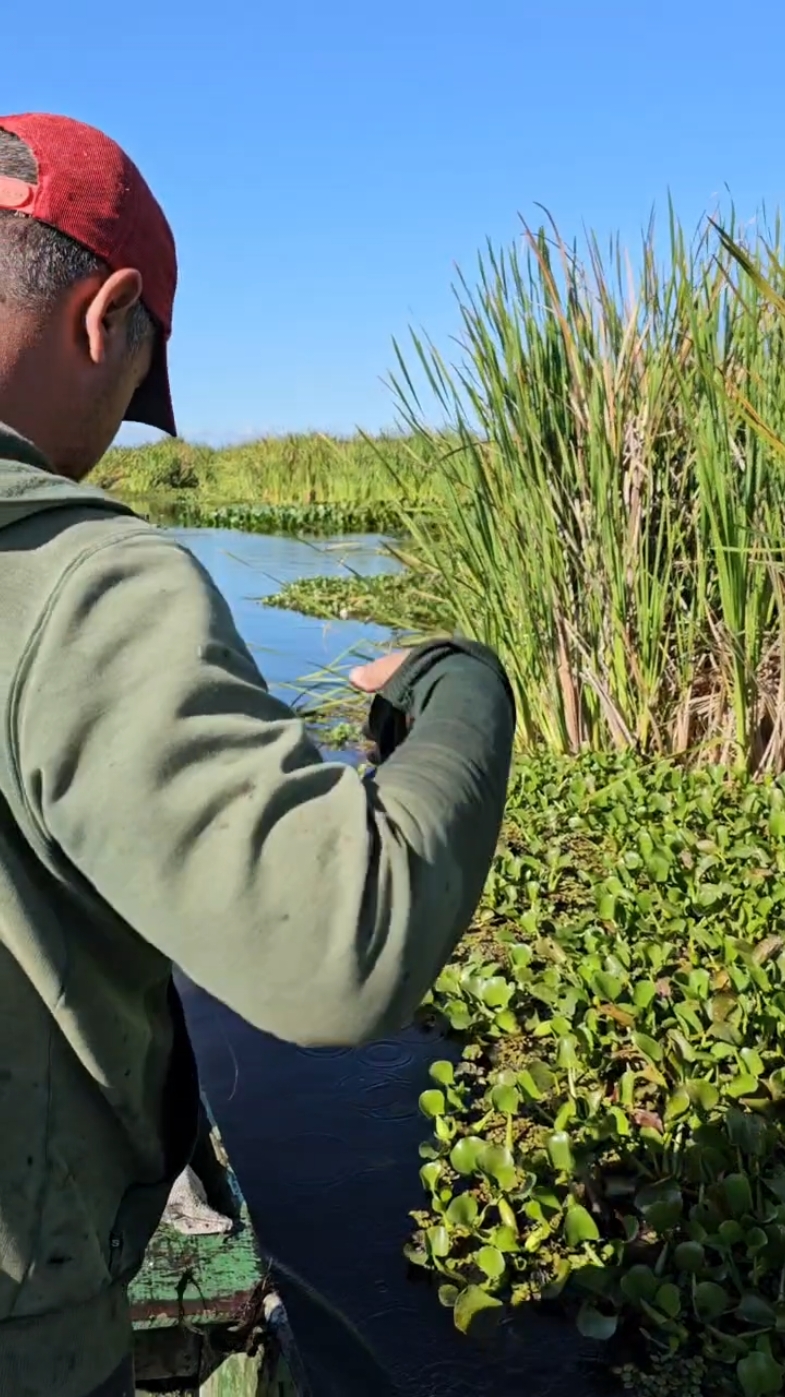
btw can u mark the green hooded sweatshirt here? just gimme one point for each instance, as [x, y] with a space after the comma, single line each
[159, 807]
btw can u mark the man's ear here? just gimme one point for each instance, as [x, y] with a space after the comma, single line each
[106, 315]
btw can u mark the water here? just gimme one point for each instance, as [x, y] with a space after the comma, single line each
[325, 1141]
[287, 646]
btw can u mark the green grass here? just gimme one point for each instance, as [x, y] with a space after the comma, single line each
[305, 469]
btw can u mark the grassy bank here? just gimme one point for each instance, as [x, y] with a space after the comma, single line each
[311, 468]
[310, 484]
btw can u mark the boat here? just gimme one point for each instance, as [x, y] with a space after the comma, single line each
[207, 1316]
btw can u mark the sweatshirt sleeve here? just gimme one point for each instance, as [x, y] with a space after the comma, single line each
[318, 904]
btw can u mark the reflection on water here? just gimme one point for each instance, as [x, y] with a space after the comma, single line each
[325, 1142]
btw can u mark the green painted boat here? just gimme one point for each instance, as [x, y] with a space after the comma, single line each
[207, 1317]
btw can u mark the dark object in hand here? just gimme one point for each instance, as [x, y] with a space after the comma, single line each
[386, 729]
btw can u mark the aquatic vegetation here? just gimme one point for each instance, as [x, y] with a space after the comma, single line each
[334, 518]
[404, 601]
[613, 520]
[304, 468]
[613, 1136]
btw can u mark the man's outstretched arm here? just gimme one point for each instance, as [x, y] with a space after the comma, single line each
[317, 904]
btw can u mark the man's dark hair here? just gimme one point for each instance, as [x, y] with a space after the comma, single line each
[37, 263]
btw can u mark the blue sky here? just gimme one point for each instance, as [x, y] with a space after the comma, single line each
[325, 166]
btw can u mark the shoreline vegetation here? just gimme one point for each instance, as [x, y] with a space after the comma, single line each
[606, 507]
[309, 483]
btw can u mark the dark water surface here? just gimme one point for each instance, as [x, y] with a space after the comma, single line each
[325, 1142]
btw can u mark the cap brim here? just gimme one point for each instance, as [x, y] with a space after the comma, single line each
[152, 401]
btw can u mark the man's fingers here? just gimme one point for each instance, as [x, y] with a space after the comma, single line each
[369, 679]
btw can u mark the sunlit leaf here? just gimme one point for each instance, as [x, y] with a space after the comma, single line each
[432, 1103]
[579, 1226]
[491, 1261]
[560, 1151]
[442, 1072]
[462, 1210]
[470, 1305]
[465, 1154]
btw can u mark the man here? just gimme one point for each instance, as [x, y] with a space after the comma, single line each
[157, 806]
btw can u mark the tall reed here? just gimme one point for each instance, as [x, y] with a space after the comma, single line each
[610, 518]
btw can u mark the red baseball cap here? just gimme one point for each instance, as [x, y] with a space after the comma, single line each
[89, 189]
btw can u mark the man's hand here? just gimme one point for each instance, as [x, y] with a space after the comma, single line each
[369, 679]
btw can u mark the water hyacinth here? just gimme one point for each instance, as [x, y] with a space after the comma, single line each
[613, 1136]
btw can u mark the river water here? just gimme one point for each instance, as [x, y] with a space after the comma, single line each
[325, 1141]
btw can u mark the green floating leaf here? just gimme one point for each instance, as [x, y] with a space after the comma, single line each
[678, 1104]
[776, 1084]
[491, 1261]
[504, 1238]
[593, 1324]
[506, 1021]
[648, 1046]
[579, 1226]
[506, 1213]
[753, 1062]
[560, 1151]
[496, 992]
[416, 1256]
[658, 868]
[668, 1299]
[463, 1210]
[606, 907]
[690, 1257]
[759, 1374]
[567, 1056]
[529, 1087]
[544, 1078]
[661, 1205]
[703, 1094]
[471, 1304]
[710, 1301]
[430, 1175]
[498, 1163]
[737, 1194]
[639, 1283]
[608, 986]
[743, 1084]
[730, 1232]
[756, 1240]
[506, 1100]
[708, 894]
[754, 1309]
[432, 1103]
[438, 1239]
[448, 1294]
[442, 1072]
[459, 1015]
[643, 994]
[465, 1155]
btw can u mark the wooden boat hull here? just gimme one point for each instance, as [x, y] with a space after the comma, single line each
[207, 1317]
